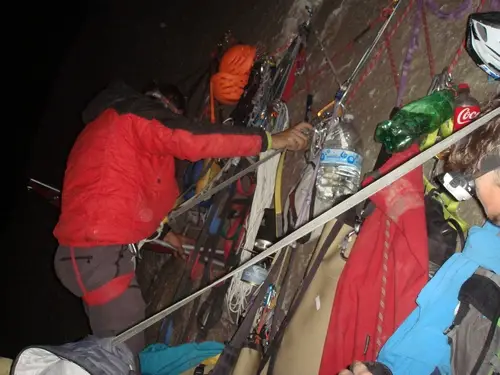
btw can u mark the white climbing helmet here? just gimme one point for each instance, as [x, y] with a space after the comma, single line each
[483, 41]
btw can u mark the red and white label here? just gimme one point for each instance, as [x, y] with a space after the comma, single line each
[464, 116]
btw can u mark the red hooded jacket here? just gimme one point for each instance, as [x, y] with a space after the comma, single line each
[386, 269]
[120, 177]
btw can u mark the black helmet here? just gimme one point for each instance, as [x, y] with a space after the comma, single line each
[169, 94]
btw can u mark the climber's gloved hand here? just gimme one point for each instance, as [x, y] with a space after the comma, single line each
[295, 139]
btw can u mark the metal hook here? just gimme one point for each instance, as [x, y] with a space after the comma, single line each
[345, 244]
[316, 144]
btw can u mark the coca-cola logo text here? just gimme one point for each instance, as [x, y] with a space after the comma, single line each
[466, 115]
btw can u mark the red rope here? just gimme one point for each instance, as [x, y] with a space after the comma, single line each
[394, 70]
[430, 56]
[78, 275]
[460, 49]
[378, 54]
[347, 47]
[454, 62]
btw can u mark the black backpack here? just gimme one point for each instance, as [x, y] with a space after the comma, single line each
[475, 335]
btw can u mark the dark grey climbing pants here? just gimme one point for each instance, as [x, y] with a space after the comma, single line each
[97, 266]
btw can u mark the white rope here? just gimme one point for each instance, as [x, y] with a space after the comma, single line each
[159, 231]
[237, 297]
[239, 291]
[263, 198]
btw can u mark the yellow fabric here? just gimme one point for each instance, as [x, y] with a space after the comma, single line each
[445, 130]
[269, 141]
[211, 361]
[209, 365]
[5, 365]
[450, 206]
[327, 107]
[211, 173]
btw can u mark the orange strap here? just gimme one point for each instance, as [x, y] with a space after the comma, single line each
[105, 293]
[109, 291]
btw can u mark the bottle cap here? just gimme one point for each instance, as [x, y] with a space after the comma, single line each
[463, 87]
[348, 117]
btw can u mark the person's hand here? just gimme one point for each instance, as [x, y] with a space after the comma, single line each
[295, 139]
[358, 368]
[177, 240]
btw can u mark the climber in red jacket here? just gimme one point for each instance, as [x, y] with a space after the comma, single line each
[119, 185]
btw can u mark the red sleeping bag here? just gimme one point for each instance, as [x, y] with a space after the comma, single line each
[387, 268]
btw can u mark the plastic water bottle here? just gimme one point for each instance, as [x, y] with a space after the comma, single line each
[340, 165]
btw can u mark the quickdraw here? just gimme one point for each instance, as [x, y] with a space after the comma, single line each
[328, 120]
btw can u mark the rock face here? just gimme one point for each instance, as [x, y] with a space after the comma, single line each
[138, 41]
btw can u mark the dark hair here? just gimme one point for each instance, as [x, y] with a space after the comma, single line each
[170, 92]
[467, 155]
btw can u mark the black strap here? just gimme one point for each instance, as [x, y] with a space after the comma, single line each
[209, 245]
[210, 312]
[279, 313]
[273, 349]
[486, 346]
[230, 354]
[490, 163]
[434, 193]
[185, 284]
[460, 232]
[221, 212]
[481, 292]
[382, 158]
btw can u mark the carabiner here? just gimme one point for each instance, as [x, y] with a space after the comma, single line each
[345, 244]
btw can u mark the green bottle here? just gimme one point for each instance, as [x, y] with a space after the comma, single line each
[418, 118]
